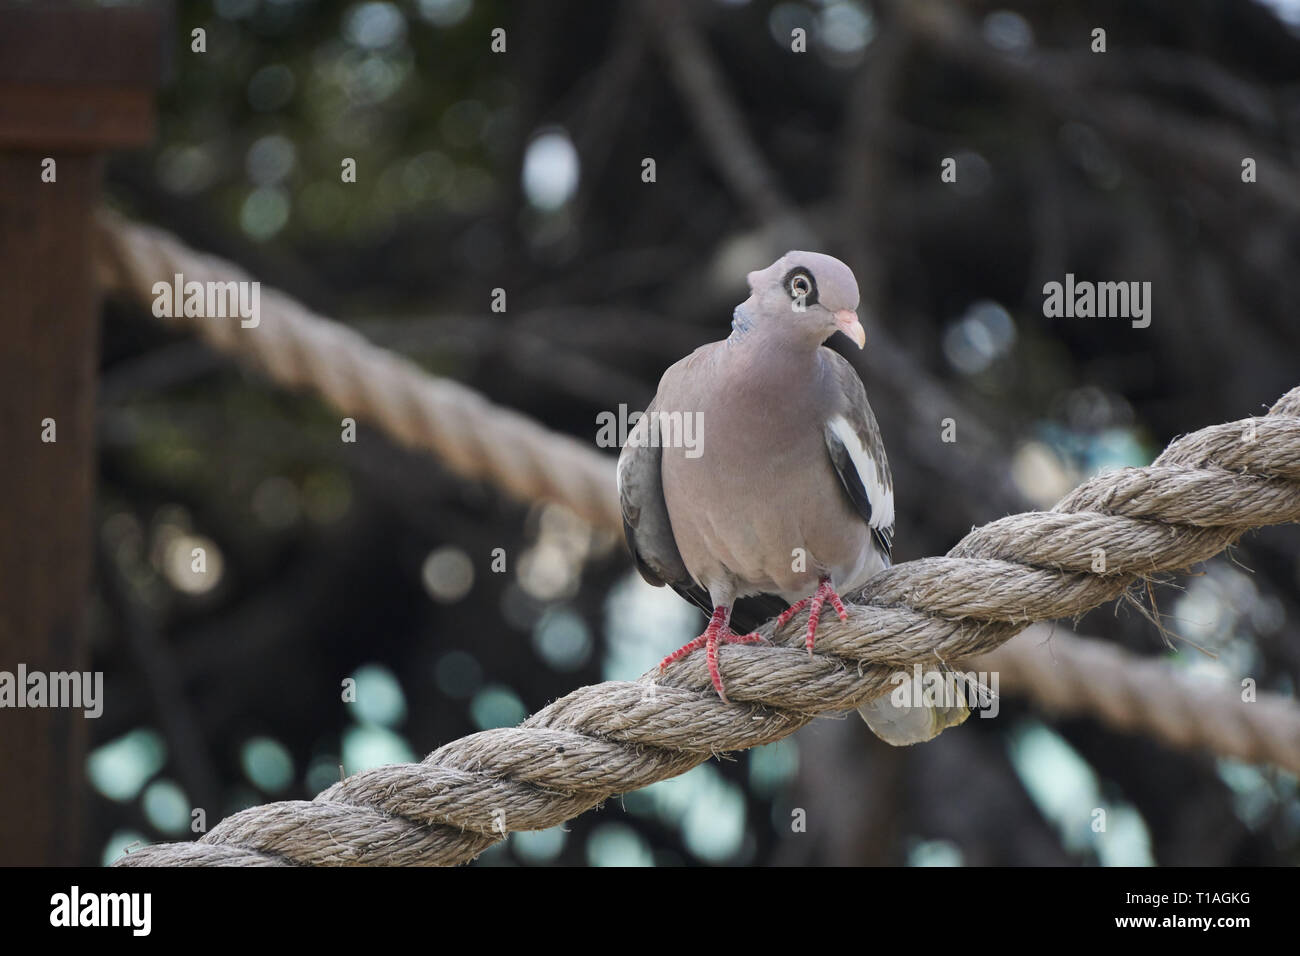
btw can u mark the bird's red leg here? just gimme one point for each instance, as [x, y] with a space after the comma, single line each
[715, 622]
[718, 632]
[825, 592]
[790, 612]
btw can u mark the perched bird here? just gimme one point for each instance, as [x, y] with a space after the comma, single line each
[785, 492]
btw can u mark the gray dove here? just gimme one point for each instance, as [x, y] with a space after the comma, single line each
[785, 491]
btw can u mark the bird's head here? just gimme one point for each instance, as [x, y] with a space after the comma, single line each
[807, 295]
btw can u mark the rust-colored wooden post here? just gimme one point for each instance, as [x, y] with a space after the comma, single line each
[74, 82]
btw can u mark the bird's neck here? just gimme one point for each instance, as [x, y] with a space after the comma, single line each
[770, 336]
[759, 362]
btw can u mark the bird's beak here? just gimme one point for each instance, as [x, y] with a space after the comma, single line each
[846, 320]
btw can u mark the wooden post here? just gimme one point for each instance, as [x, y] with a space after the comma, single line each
[74, 82]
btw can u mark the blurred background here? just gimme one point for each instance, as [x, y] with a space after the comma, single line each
[523, 170]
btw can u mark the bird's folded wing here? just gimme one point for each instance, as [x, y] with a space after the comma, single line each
[646, 524]
[858, 455]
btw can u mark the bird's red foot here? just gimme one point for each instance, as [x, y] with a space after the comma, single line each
[718, 632]
[825, 592]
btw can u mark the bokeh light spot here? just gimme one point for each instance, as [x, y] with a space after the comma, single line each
[496, 706]
[266, 763]
[119, 768]
[379, 696]
[448, 574]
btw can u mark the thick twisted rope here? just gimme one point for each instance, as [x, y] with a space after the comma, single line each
[297, 348]
[1200, 495]
[1084, 675]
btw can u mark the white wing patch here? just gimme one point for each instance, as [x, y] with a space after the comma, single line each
[881, 497]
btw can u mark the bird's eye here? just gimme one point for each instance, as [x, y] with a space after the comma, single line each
[799, 286]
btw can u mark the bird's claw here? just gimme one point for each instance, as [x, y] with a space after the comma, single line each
[718, 632]
[825, 592]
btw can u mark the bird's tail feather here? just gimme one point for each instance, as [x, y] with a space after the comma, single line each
[901, 724]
